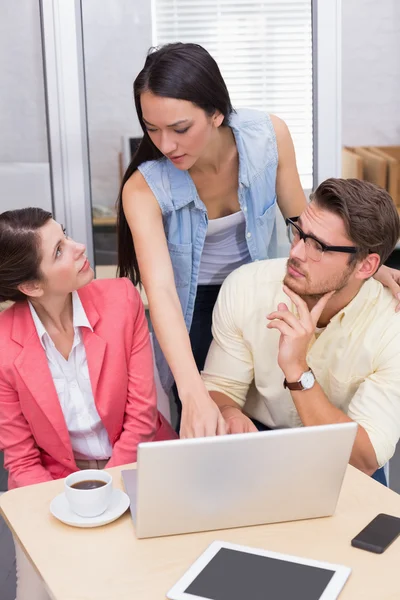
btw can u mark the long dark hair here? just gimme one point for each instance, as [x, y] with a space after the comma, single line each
[181, 71]
[20, 250]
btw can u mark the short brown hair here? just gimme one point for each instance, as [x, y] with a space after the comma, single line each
[370, 217]
[19, 250]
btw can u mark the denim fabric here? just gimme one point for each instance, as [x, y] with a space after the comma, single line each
[185, 216]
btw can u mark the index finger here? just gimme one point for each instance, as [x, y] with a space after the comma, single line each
[316, 311]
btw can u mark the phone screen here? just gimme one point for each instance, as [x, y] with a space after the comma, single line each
[378, 534]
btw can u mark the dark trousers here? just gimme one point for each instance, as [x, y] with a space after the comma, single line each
[200, 332]
[379, 475]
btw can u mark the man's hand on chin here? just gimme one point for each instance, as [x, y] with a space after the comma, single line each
[296, 332]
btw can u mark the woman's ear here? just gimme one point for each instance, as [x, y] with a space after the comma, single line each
[31, 289]
[218, 118]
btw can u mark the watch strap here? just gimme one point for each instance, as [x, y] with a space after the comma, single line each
[295, 386]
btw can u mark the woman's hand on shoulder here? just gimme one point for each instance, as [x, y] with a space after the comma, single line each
[390, 278]
[290, 194]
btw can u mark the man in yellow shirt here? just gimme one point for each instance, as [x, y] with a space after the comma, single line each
[314, 339]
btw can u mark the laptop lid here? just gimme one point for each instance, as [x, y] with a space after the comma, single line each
[129, 478]
[236, 480]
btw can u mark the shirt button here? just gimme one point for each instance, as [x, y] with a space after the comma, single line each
[73, 384]
[248, 235]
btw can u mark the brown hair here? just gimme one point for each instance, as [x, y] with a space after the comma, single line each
[368, 212]
[19, 250]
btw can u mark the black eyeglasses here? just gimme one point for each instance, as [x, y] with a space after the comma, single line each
[314, 247]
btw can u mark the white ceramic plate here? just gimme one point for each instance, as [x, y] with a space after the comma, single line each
[60, 509]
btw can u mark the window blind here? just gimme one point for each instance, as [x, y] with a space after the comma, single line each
[264, 52]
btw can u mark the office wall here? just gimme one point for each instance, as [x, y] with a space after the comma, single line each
[371, 72]
[24, 168]
[22, 103]
[371, 77]
[117, 34]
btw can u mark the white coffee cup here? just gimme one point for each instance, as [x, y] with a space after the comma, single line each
[89, 502]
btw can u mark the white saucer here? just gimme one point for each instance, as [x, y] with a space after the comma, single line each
[60, 509]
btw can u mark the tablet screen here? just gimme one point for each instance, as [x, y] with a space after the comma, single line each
[235, 575]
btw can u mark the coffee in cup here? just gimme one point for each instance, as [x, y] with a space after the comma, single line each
[89, 492]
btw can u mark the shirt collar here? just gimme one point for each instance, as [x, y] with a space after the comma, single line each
[79, 317]
[368, 293]
[40, 328]
[244, 178]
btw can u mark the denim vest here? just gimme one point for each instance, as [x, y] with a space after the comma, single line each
[185, 216]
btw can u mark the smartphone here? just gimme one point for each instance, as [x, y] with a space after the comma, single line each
[378, 534]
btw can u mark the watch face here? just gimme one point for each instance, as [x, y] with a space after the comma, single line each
[307, 380]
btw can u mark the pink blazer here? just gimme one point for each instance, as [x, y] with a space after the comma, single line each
[33, 432]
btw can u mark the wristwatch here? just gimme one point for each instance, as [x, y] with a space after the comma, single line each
[305, 382]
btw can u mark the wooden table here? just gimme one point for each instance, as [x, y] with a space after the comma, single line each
[109, 563]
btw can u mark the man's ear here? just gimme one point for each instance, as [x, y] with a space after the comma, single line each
[32, 289]
[368, 266]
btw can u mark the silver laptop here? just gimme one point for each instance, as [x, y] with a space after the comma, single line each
[200, 484]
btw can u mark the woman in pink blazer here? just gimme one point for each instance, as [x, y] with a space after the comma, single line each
[76, 364]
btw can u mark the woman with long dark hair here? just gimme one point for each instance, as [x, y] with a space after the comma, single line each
[197, 201]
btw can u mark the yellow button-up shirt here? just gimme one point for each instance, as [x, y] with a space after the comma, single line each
[356, 358]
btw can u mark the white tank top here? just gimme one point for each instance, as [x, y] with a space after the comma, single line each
[225, 248]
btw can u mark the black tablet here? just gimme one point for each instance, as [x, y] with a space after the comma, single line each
[233, 572]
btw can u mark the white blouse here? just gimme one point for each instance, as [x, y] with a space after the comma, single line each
[88, 435]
